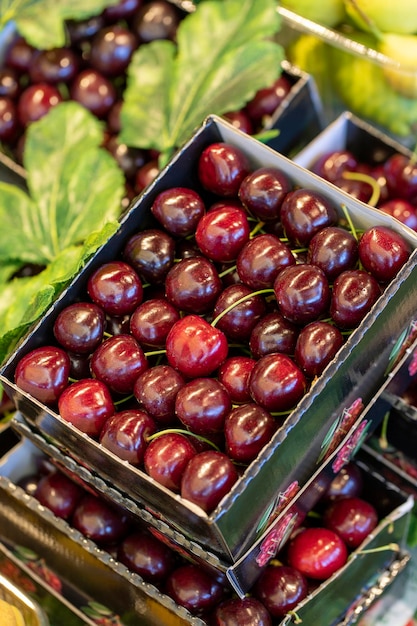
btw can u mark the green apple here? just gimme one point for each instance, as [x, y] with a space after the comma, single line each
[402, 50]
[326, 12]
[388, 16]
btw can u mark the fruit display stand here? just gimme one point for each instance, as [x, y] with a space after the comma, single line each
[299, 445]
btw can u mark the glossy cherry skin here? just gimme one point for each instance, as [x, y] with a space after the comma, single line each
[267, 100]
[383, 252]
[304, 212]
[86, 404]
[157, 19]
[35, 101]
[234, 375]
[273, 333]
[208, 477]
[352, 518]
[334, 250]
[118, 362]
[179, 210]
[56, 65]
[263, 191]
[317, 552]
[115, 287]
[280, 588]
[112, 49]
[247, 611]
[317, 344]
[193, 588]
[166, 458]
[222, 232]
[221, 169]
[202, 405]
[302, 292]
[347, 482]
[277, 383]
[43, 373]
[151, 253]
[240, 120]
[126, 434]
[151, 321]
[194, 347]
[99, 521]
[401, 177]
[354, 294]
[58, 493]
[261, 259]
[79, 327]
[332, 164]
[193, 285]
[156, 390]
[240, 310]
[9, 122]
[247, 429]
[402, 210]
[146, 556]
[94, 91]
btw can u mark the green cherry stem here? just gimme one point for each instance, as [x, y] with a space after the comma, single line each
[239, 301]
[182, 431]
[370, 180]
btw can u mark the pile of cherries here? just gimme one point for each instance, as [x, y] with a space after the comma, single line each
[317, 548]
[387, 180]
[186, 354]
[91, 69]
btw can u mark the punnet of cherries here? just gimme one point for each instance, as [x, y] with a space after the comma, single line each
[92, 69]
[186, 353]
[317, 548]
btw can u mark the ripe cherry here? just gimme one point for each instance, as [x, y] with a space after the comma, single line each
[193, 588]
[354, 293]
[166, 458]
[247, 611]
[263, 191]
[247, 429]
[352, 518]
[302, 292]
[43, 373]
[126, 434]
[280, 588]
[317, 552]
[146, 556]
[116, 287]
[179, 210]
[221, 169]
[277, 383]
[383, 252]
[86, 404]
[222, 232]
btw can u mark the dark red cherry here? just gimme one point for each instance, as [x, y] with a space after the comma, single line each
[302, 292]
[334, 250]
[304, 212]
[193, 285]
[317, 552]
[332, 164]
[146, 556]
[166, 458]
[240, 309]
[118, 362]
[352, 518]
[179, 210]
[94, 91]
[402, 210]
[193, 588]
[247, 611]
[383, 252]
[267, 100]
[156, 390]
[234, 375]
[202, 405]
[401, 176]
[317, 344]
[273, 333]
[126, 434]
[277, 383]
[280, 588]
[86, 404]
[221, 169]
[247, 429]
[263, 191]
[43, 373]
[58, 493]
[152, 320]
[354, 293]
[116, 287]
[222, 232]
[347, 482]
[151, 253]
[79, 327]
[261, 259]
[99, 521]
[36, 100]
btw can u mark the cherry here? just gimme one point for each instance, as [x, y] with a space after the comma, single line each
[273, 333]
[178, 210]
[334, 250]
[202, 405]
[86, 404]
[234, 375]
[238, 322]
[166, 458]
[151, 321]
[317, 344]
[240, 120]
[9, 83]
[193, 285]
[222, 232]
[302, 292]
[116, 287]
[280, 588]
[347, 482]
[99, 521]
[18, 54]
[332, 164]
[276, 382]
[194, 347]
[267, 100]
[221, 169]
[157, 19]
[9, 122]
[247, 611]
[79, 327]
[146, 556]
[35, 101]
[126, 433]
[151, 254]
[156, 390]
[53, 66]
[262, 192]
[112, 49]
[94, 91]
[58, 493]
[317, 552]
[247, 429]
[118, 362]
[207, 478]
[43, 373]
[352, 518]
[261, 259]
[402, 210]
[304, 212]
[383, 252]
[401, 176]
[194, 588]
[354, 293]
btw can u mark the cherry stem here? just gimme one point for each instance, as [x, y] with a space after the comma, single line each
[155, 352]
[122, 400]
[390, 546]
[297, 619]
[239, 301]
[383, 439]
[227, 271]
[349, 221]
[259, 226]
[182, 431]
[370, 180]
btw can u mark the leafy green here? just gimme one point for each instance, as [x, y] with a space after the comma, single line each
[223, 55]
[72, 207]
[42, 22]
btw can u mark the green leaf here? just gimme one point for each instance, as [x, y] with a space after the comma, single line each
[42, 22]
[75, 187]
[222, 57]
